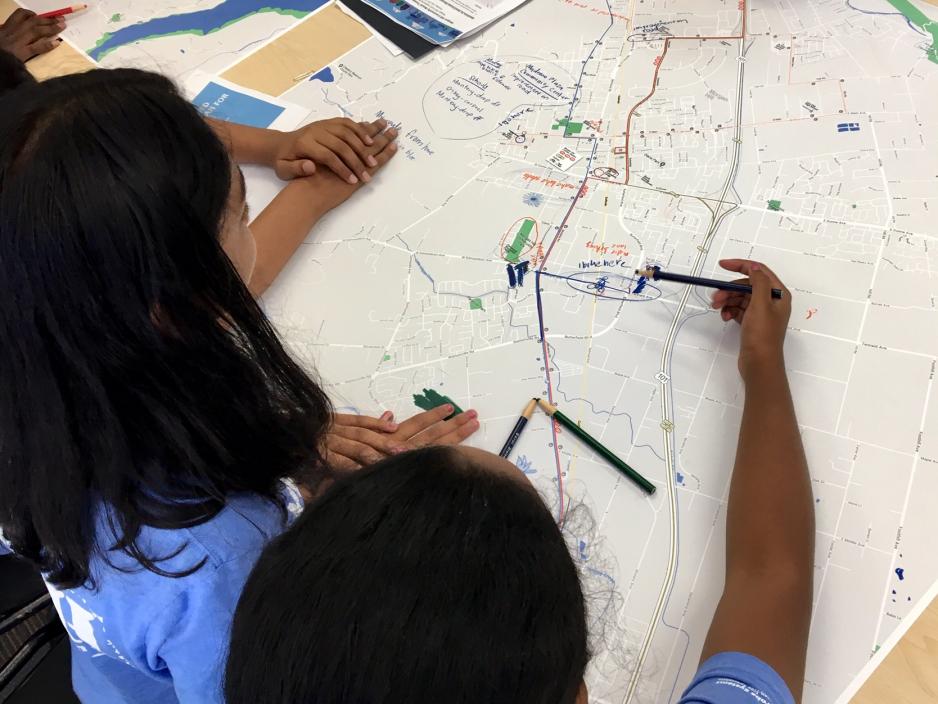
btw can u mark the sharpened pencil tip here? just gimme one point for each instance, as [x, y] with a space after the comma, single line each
[548, 408]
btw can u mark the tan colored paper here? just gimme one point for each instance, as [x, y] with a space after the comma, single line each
[299, 52]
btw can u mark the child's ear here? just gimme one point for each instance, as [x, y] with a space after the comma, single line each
[582, 697]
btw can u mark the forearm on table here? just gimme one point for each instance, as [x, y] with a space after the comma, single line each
[280, 228]
[770, 520]
[765, 609]
[247, 145]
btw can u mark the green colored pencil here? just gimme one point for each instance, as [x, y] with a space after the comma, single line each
[566, 422]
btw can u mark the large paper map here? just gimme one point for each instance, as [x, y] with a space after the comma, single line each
[542, 161]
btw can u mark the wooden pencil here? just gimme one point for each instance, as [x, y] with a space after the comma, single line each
[613, 459]
[519, 426]
[654, 273]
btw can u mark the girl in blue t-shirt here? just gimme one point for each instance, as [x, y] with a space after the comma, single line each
[154, 433]
[440, 576]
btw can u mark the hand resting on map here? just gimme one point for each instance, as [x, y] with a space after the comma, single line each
[340, 144]
[25, 34]
[287, 220]
[355, 441]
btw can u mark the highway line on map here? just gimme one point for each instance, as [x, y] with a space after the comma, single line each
[666, 400]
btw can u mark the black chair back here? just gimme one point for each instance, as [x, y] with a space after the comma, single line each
[29, 627]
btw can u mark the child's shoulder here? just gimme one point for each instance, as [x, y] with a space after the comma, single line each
[155, 621]
[245, 525]
[240, 530]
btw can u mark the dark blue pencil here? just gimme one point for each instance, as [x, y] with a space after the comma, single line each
[519, 426]
[656, 274]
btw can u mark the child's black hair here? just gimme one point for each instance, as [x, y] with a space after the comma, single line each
[142, 384]
[13, 73]
[424, 579]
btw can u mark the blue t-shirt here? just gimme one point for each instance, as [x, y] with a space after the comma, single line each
[148, 639]
[736, 678]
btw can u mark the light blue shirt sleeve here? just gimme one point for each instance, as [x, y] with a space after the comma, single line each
[141, 637]
[189, 638]
[736, 678]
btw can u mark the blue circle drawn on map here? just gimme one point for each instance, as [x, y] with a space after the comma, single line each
[611, 287]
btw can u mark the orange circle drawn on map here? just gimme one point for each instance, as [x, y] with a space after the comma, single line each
[532, 241]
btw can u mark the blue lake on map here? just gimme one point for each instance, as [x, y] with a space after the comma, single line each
[200, 21]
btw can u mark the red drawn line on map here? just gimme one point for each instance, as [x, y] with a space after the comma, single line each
[659, 60]
[546, 352]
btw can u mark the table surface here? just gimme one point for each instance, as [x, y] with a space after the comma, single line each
[908, 675]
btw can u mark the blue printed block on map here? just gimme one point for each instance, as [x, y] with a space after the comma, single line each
[848, 127]
[231, 106]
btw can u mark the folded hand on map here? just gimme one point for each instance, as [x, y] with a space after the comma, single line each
[354, 441]
[25, 34]
[287, 220]
[338, 143]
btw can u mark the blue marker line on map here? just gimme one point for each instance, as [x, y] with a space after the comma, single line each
[200, 22]
[231, 106]
[900, 573]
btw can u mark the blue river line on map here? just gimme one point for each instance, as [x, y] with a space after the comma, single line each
[199, 22]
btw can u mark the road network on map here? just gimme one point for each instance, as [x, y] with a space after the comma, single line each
[694, 131]
[545, 159]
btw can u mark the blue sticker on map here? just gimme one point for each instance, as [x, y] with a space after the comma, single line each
[231, 106]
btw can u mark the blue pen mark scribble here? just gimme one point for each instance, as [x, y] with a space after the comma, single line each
[525, 465]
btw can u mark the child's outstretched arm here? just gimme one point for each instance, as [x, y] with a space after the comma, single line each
[284, 224]
[765, 610]
[342, 145]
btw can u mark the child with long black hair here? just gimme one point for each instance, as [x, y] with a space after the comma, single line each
[154, 433]
[440, 577]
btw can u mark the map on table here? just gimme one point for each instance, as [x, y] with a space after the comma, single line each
[541, 163]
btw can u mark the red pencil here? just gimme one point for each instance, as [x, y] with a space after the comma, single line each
[64, 11]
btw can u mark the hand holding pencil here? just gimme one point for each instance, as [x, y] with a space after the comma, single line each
[26, 34]
[763, 318]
